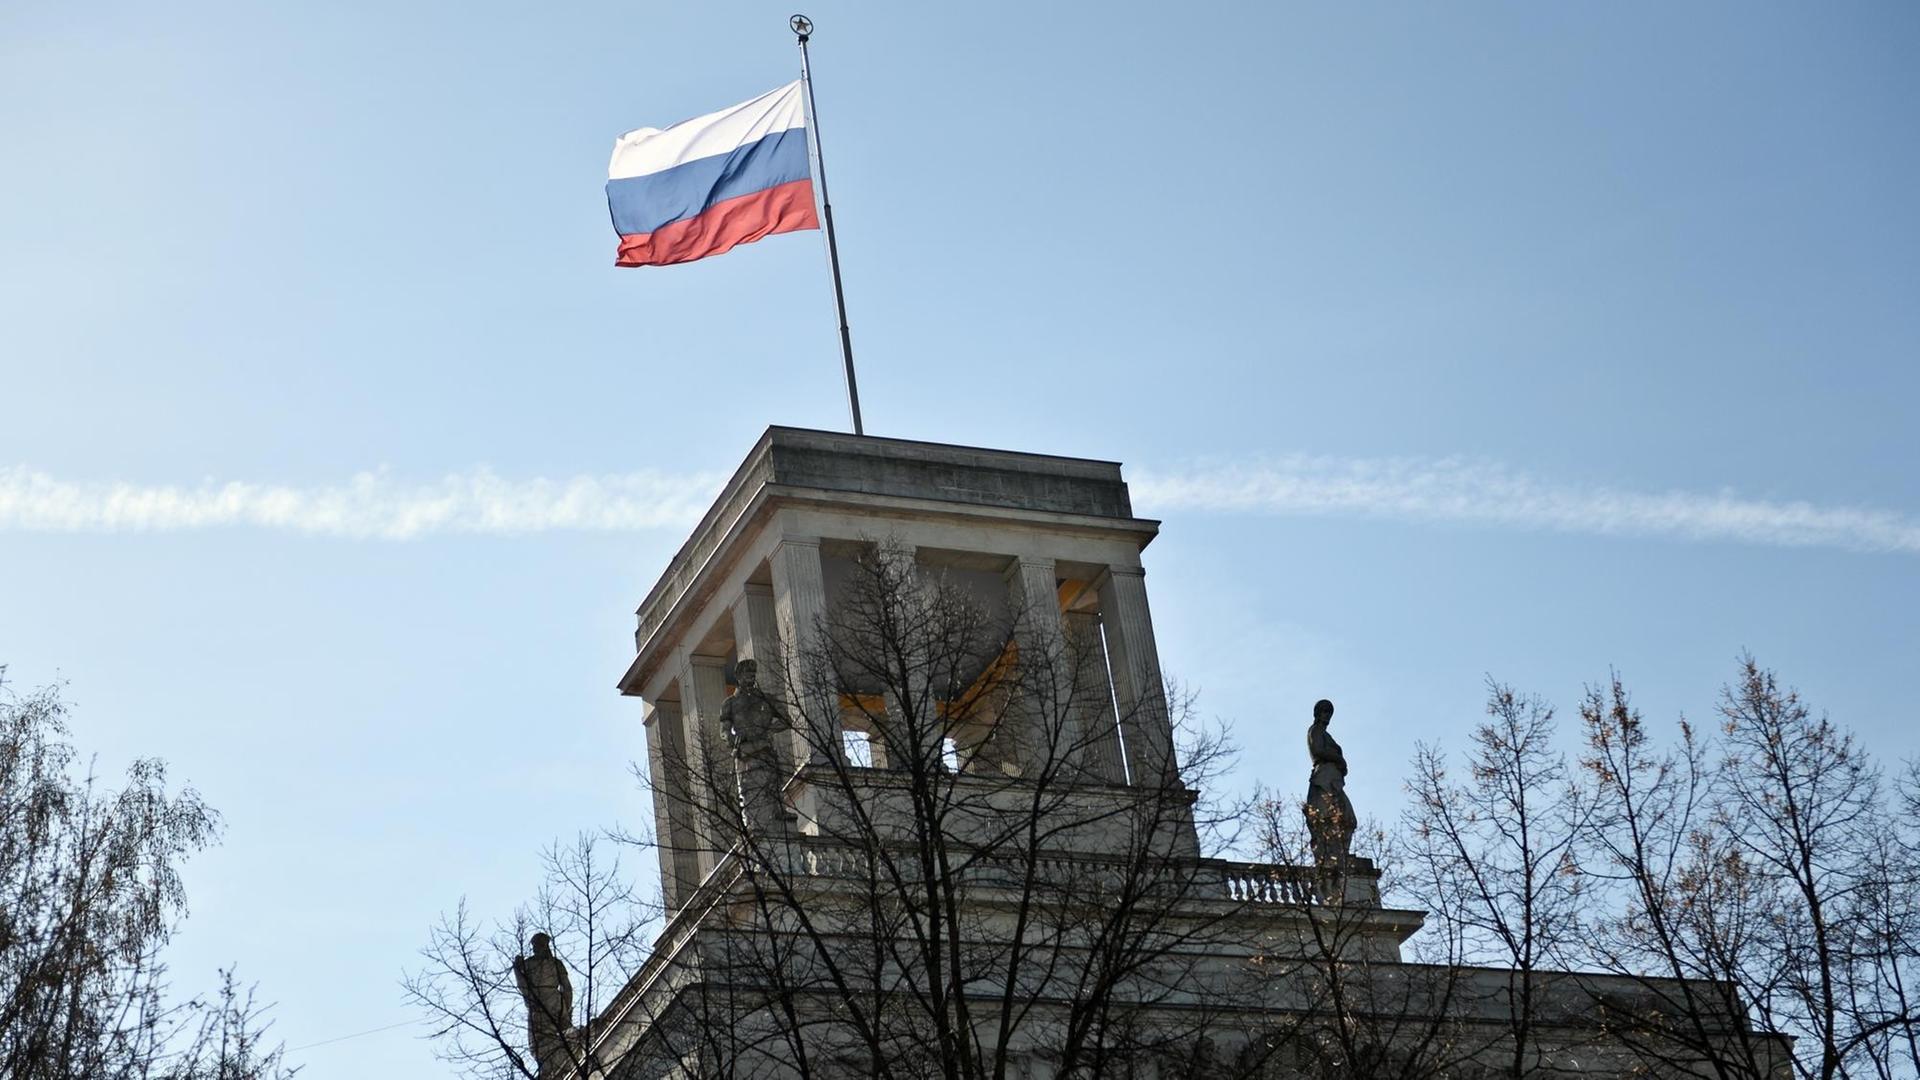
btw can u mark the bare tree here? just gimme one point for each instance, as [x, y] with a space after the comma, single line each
[1360, 1011]
[226, 1039]
[1664, 914]
[1891, 935]
[1749, 892]
[90, 894]
[976, 872]
[1495, 859]
[484, 1021]
[1817, 879]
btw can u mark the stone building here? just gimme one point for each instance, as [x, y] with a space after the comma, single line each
[941, 822]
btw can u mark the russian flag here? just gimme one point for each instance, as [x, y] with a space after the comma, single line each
[706, 185]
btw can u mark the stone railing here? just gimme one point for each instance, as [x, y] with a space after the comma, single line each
[1205, 879]
[1255, 885]
[1355, 884]
[1260, 883]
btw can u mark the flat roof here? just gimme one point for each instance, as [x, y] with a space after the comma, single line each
[809, 462]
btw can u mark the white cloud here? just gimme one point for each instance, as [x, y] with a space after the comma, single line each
[375, 505]
[370, 505]
[1451, 490]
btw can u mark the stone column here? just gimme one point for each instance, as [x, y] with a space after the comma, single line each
[914, 724]
[1093, 699]
[662, 810]
[799, 602]
[716, 799]
[756, 631]
[1048, 730]
[673, 813]
[1137, 686]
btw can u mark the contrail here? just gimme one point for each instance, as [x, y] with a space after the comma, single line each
[1485, 493]
[371, 505]
[375, 505]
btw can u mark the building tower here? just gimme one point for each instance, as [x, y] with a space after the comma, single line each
[1054, 538]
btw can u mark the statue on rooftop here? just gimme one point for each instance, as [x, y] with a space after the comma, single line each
[548, 993]
[1330, 819]
[753, 721]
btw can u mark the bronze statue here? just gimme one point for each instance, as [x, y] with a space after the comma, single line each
[1330, 820]
[753, 721]
[548, 993]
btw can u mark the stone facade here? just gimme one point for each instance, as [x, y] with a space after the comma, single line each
[966, 861]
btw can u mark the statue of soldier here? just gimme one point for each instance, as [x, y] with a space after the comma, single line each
[755, 722]
[548, 993]
[1330, 819]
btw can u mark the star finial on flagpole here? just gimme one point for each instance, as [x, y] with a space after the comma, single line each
[802, 26]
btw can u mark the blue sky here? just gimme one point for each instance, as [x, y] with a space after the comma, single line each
[1447, 340]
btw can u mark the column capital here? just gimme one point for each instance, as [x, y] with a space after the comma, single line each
[754, 588]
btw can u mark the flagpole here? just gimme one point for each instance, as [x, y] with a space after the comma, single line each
[803, 29]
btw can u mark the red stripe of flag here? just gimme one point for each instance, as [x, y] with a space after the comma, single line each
[724, 226]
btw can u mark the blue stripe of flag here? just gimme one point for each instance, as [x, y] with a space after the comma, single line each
[641, 204]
